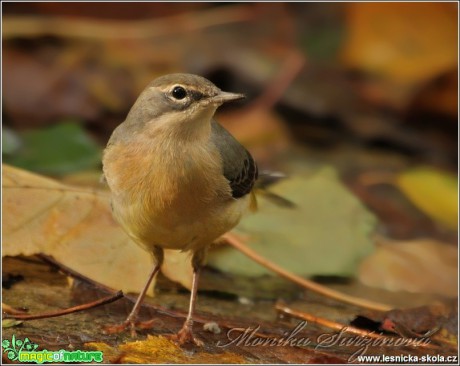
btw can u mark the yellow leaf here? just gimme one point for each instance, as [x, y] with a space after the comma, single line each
[8, 323]
[159, 349]
[432, 191]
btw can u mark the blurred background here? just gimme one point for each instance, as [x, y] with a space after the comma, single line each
[368, 89]
[380, 76]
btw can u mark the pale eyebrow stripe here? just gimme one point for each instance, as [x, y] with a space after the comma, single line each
[168, 88]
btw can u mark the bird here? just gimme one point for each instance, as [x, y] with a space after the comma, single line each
[178, 179]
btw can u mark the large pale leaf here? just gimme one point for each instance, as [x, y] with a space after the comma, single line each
[327, 233]
[421, 265]
[75, 226]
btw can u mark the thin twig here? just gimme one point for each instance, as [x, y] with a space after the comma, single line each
[8, 309]
[283, 308]
[233, 240]
[74, 309]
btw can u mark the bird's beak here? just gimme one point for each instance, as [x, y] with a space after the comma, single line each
[224, 97]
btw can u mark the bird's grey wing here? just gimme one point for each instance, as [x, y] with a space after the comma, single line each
[239, 167]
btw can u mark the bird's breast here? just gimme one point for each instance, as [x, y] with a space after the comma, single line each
[169, 197]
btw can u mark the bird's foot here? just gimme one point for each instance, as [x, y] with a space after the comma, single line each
[185, 335]
[129, 324]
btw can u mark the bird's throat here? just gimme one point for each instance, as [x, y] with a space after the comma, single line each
[179, 126]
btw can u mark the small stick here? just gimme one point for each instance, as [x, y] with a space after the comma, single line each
[233, 240]
[283, 308]
[8, 309]
[52, 314]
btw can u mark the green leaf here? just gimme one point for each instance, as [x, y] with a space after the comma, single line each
[327, 233]
[57, 150]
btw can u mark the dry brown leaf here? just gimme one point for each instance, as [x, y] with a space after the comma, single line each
[423, 319]
[422, 265]
[75, 226]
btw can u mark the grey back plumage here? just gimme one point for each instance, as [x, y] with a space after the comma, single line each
[239, 167]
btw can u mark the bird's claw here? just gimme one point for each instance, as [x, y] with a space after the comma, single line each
[185, 335]
[131, 324]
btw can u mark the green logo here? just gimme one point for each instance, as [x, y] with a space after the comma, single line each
[16, 346]
[26, 351]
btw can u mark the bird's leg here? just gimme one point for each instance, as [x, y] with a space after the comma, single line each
[186, 333]
[130, 321]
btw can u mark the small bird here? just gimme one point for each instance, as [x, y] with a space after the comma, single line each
[178, 179]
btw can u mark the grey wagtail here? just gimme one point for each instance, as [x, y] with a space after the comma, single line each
[178, 179]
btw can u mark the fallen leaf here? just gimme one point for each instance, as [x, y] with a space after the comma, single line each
[56, 150]
[406, 42]
[327, 233]
[8, 323]
[158, 349]
[432, 191]
[75, 226]
[421, 265]
[417, 322]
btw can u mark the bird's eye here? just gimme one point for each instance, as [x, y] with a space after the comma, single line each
[179, 92]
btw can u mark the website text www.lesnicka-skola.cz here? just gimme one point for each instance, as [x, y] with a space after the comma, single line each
[407, 359]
